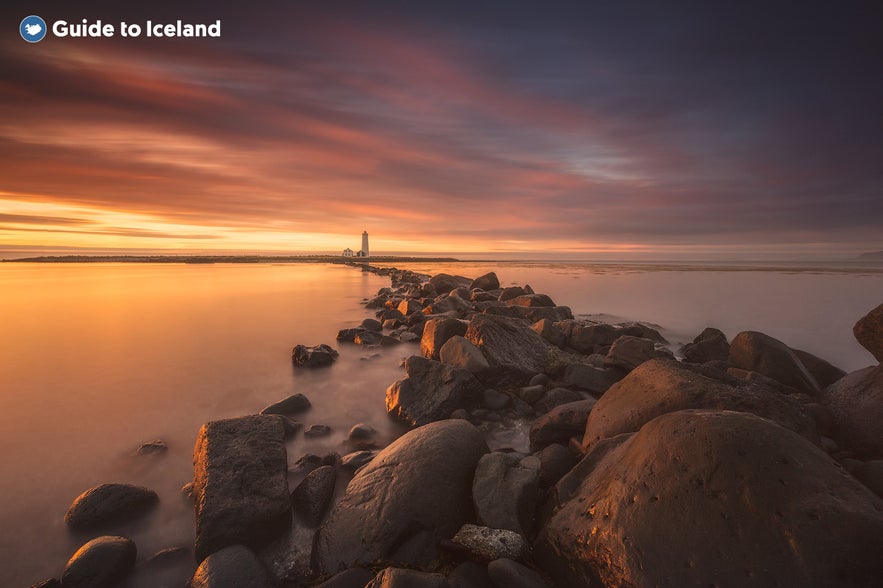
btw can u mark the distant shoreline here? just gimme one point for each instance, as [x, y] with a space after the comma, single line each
[222, 259]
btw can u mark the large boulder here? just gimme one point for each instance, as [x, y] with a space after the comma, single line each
[447, 282]
[108, 504]
[486, 282]
[589, 338]
[103, 562]
[313, 495]
[590, 378]
[531, 313]
[711, 498]
[312, 357]
[460, 352]
[505, 493]
[431, 391]
[660, 386]
[550, 332]
[561, 423]
[856, 403]
[436, 333]
[629, 352]
[709, 345]
[530, 300]
[760, 353]
[868, 332]
[509, 344]
[240, 483]
[397, 508]
[232, 567]
[824, 372]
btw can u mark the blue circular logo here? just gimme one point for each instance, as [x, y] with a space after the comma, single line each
[32, 29]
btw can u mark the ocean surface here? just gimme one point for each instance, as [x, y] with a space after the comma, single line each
[98, 359]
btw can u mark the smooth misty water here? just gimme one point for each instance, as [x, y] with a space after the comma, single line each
[97, 359]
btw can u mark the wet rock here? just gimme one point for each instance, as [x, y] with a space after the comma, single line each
[349, 335]
[555, 461]
[241, 484]
[856, 403]
[409, 306]
[531, 394]
[505, 493]
[557, 397]
[591, 379]
[629, 352]
[709, 345]
[107, 504]
[287, 558]
[495, 400]
[405, 578]
[489, 544]
[317, 431]
[232, 567]
[530, 300]
[368, 338]
[694, 481]
[868, 332]
[294, 404]
[351, 578]
[396, 509]
[431, 391]
[313, 357]
[548, 331]
[509, 344]
[155, 447]
[447, 282]
[532, 314]
[361, 432]
[489, 281]
[506, 573]
[313, 495]
[409, 337]
[460, 352]
[823, 372]
[561, 423]
[357, 459]
[290, 426]
[103, 562]
[511, 292]
[586, 339]
[761, 353]
[660, 386]
[370, 324]
[436, 333]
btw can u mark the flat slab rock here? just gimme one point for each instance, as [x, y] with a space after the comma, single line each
[397, 508]
[240, 483]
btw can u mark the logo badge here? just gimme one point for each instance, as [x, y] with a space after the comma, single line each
[32, 29]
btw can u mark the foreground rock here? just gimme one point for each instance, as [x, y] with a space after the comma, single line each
[396, 509]
[240, 483]
[856, 403]
[505, 493]
[761, 353]
[711, 498]
[103, 562]
[232, 567]
[436, 333]
[629, 352]
[561, 423]
[709, 345]
[489, 544]
[662, 386]
[868, 332]
[313, 495]
[431, 391]
[312, 357]
[489, 281]
[509, 345]
[460, 352]
[107, 504]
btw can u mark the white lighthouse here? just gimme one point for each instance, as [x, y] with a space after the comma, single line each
[364, 252]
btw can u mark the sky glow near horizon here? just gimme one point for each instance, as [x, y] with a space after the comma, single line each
[570, 130]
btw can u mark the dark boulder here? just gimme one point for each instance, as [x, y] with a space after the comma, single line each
[103, 562]
[824, 373]
[761, 353]
[312, 357]
[155, 447]
[511, 292]
[397, 508]
[557, 397]
[555, 461]
[486, 282]
[592, 379]
[588, 339]
[317, 430]
[711, 498]
[505, 493]
[868, 332]
[368, 338]
[709, 345]
[487, 544]
[294, 404]
[370, 324]
[561, 423]
[660, 386]
[313, 495]
[349, 335]
[232, 567]
[629, 352]
[447, 282]
[509, 344]
[430, 391]
[460, 352]
[436, 333]
[506, 573]
[548, 331]
[107, 504]
[856, 403]
[409, 306]
[240, 482]
[530, 300]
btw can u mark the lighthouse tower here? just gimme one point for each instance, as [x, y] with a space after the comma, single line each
[365, 243]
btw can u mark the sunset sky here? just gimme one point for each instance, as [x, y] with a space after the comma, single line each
[596, 130]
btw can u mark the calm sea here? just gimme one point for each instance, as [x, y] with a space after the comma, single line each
[97, 359]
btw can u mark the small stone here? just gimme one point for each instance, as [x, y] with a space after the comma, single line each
[313, 357]
[294, 404]
[361, 432]
[368, 338]
[490, 544]
[495, 400]
[187, 490]
[154, 447]
[539, 380]
[531, 394]
[317, 431]
[370, 324]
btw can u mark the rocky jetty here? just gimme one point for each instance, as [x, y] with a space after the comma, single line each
[640, 463]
